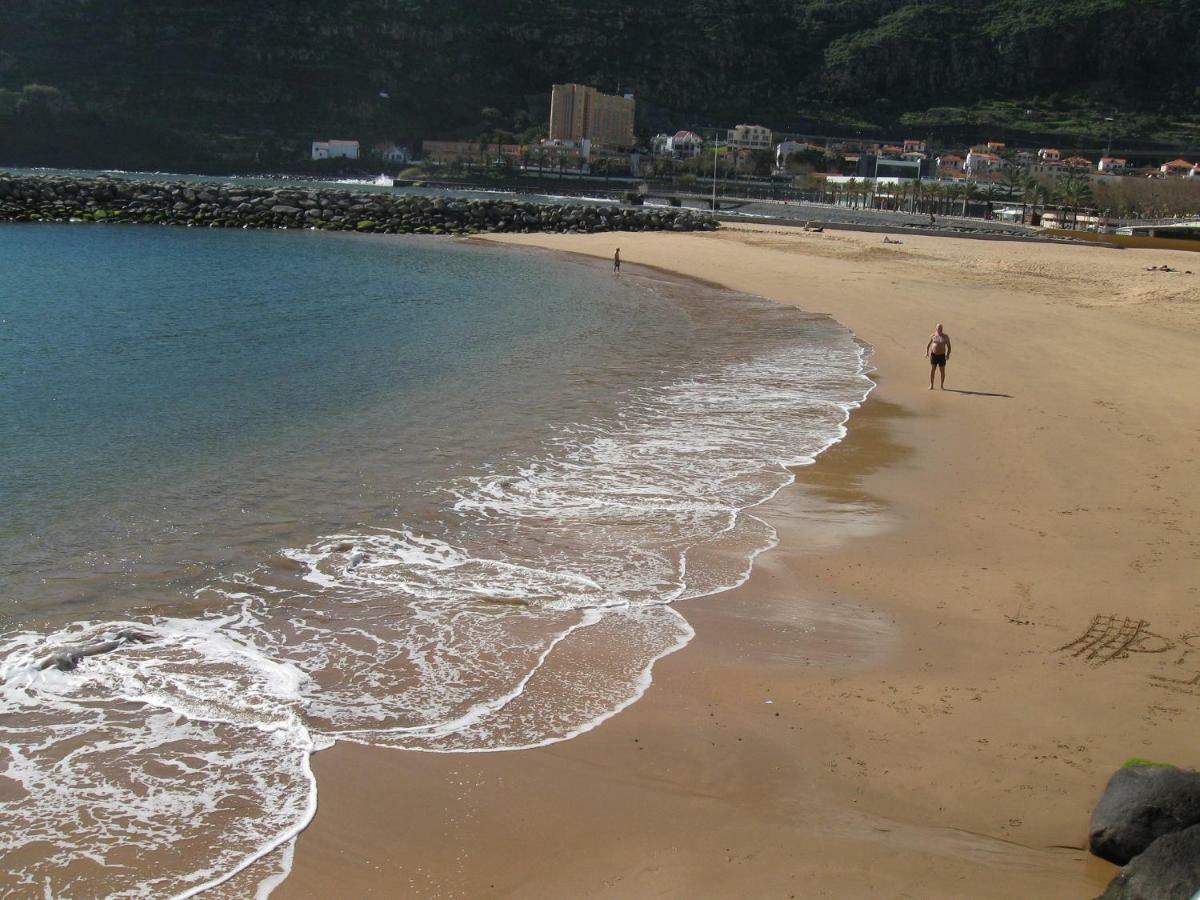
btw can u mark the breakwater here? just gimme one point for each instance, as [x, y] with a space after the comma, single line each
[59, 198]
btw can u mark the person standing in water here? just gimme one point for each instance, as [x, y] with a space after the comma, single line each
[938, 351]
[617, 261]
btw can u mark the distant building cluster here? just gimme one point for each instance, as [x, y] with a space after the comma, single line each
[386, 152]
[591, 132]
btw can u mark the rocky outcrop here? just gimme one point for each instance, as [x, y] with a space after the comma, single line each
[1148, 821]
[1169, 869]
[108, 200]
[1141, 803]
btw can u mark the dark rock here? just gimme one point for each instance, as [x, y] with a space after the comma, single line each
[66, 198]
[1169, 869]
[1140, 804]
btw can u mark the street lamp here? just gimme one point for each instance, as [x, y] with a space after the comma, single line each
[875, 183]
[716, 147]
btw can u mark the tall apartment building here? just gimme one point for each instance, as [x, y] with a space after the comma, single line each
[578, 111]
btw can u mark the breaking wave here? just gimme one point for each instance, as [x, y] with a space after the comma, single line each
[160, 756]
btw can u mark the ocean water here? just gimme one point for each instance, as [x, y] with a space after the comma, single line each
[264, 491]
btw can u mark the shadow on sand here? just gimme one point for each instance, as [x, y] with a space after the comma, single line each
[976, 393]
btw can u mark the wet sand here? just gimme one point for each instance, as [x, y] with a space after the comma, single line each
[886, 707]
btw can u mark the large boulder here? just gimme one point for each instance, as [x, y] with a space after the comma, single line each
[1141, 803]
[1169, 869]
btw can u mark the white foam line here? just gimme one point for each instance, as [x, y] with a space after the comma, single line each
[643, 683]
[646, 679]
[312, 742]
[283, 837]
[480, 710]
[268, 884]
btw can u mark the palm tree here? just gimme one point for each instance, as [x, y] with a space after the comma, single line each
[852, 188]
[993, 193]
[1073, 191]
[934, 193]
[1013, 182]
[1040, 195]
[953, 192]
[969, 190]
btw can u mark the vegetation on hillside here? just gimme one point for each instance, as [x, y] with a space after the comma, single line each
[181, 82]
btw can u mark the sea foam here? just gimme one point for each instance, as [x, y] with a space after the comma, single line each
[530, 610]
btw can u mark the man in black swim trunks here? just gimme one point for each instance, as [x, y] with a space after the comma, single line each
[938, 351]
[617, 261]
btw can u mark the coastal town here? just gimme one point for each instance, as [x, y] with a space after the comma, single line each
[591, 138]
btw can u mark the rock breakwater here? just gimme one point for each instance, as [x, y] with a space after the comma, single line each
[59, 198]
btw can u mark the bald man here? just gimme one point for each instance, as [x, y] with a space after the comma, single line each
[938, 351]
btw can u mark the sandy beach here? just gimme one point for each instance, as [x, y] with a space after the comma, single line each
[983, 601]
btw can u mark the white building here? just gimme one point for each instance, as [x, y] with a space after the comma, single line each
[1111, 165]
[749, 137]
[982, 162]
[951, 161]
[335, 150]
[392, 153]
[784, 149]
[685, 144]
[680, 145]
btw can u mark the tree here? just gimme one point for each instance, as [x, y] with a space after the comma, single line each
[969, 190]
[1074, 190]
[953, 192]
[1039, 194]
[1013, 182]
[931, 191]
[40, 98]
[760, 162]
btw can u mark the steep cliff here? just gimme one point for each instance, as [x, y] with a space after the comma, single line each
[168, 82]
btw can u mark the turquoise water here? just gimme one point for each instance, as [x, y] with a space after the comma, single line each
[266, 491]
[173, 399]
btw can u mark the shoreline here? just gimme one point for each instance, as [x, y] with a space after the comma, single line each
[924, 771]
[851, 361]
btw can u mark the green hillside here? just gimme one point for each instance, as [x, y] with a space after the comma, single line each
[139, 83]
